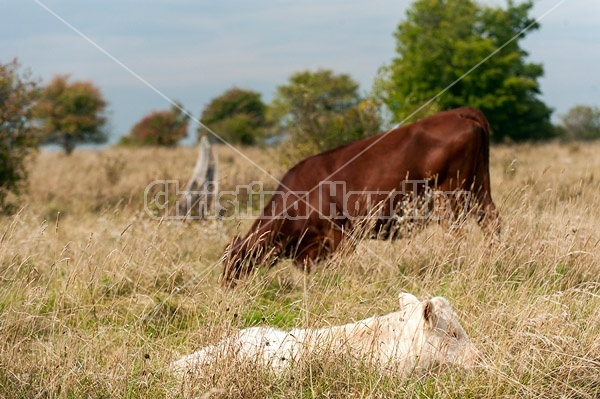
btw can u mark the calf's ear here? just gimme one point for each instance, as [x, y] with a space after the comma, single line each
[429, 313]
[407, 300]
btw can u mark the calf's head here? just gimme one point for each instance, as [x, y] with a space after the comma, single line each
[439, 337]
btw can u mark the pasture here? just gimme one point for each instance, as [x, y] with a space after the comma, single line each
[96, 297]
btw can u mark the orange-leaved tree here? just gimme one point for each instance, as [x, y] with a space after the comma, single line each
[163, 128]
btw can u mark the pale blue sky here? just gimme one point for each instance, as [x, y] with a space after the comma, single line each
[194, 50]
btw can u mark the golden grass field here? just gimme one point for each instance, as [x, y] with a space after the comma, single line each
[96, 297]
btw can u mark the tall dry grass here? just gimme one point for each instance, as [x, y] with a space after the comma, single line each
[96, 298]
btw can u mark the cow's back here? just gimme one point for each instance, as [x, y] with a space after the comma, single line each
[445, 146]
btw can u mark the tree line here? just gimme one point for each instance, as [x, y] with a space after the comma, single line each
[440, 46]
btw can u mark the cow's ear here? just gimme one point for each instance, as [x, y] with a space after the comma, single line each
[429, 313]
[407, 300]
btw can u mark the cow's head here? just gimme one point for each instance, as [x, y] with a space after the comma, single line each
[439, 337]
[233, 261]
[243, 254]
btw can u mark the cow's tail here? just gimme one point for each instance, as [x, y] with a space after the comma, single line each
[487, 214]
[481, 162]
[478, 117]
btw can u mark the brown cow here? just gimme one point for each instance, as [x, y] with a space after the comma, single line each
[320, 198]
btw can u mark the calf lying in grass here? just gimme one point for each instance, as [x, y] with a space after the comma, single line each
[420, 336]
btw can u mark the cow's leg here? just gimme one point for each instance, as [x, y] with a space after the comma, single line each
[334, 238]
[488, 218]
[450, 208]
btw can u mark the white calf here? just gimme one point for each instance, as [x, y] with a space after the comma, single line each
[419, 336]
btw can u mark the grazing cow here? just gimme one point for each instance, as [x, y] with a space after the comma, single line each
[319, 199]
[418, 337]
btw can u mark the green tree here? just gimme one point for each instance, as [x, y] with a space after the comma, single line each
[17, 135]
[238, 116]
[321, 110]
[441, 40]
[582, 122]
[159, 128]
[71, 113]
